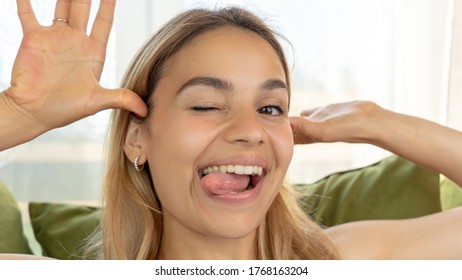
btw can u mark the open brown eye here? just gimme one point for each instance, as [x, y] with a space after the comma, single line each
[272, 110]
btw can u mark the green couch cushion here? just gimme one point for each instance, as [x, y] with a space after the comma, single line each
[393, 188]
[61, 228]
[451, 194]
[12, 239]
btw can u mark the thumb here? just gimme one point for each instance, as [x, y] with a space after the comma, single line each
[297, 125]
[121, 98]
[302, 130]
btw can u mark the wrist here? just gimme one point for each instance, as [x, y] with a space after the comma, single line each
[16, 126]
[389, 129]
[371, 128]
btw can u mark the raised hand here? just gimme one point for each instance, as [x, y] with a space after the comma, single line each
[55, 78]
[342, 122]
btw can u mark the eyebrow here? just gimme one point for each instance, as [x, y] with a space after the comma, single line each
[221, 84]
[273, 84]
[214, 82]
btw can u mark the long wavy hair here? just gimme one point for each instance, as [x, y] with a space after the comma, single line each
[131, 226]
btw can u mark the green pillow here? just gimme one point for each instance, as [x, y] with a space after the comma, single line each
[451, 194]
[60, 228]
[12, 239]
[393, 188]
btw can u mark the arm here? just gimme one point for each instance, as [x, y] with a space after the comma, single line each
[424, 142]
[435, 236]
[22, 257]
[56, 72]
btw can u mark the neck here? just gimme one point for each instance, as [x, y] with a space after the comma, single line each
[189, 245]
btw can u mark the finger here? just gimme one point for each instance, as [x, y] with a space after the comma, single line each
[62, 11]
[79, 14]
[297, 129]
[121, 98]
[308, 112]
[303, 130]
[103, 22]
[26, 16]
[297, 125]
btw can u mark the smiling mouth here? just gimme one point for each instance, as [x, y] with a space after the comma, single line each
[236, 169]
[230, 179]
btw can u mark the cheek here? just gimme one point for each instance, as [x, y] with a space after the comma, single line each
[175, 145]
[185, 139]
[283, 145]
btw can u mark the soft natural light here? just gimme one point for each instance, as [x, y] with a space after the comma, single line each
[392, 52]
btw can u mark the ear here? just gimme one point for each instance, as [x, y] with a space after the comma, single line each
[133, 143]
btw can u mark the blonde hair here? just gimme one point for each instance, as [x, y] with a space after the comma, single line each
[131, 226]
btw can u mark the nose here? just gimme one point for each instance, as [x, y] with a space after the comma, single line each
[245, 128]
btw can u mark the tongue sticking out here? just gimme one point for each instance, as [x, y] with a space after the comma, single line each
[224, 183]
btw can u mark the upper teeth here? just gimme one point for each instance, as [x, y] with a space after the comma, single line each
[237, 169]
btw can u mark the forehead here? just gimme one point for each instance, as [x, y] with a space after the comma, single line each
[224, 51]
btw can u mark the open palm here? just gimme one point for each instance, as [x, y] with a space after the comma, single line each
[55, 78]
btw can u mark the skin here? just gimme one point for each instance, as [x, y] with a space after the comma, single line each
[37, 100]
[56, 83]
[435, 236]
[243, 124]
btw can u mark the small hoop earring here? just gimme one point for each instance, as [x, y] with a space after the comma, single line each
[138, 167]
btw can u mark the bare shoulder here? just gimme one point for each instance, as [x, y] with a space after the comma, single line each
[436, 236]
[22, 257]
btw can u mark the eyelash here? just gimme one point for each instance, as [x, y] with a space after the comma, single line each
[262, 110]
[203, 109]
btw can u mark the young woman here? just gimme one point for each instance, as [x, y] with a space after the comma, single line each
[201, 175]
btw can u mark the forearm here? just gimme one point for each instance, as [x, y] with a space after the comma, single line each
[429, 144]
[15, 126]
[435, 236]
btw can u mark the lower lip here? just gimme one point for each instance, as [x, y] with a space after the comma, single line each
[238, 198]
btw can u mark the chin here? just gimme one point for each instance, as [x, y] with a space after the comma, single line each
[235, 226]
[234, 234]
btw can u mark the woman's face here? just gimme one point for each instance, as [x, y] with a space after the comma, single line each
[218, 140]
